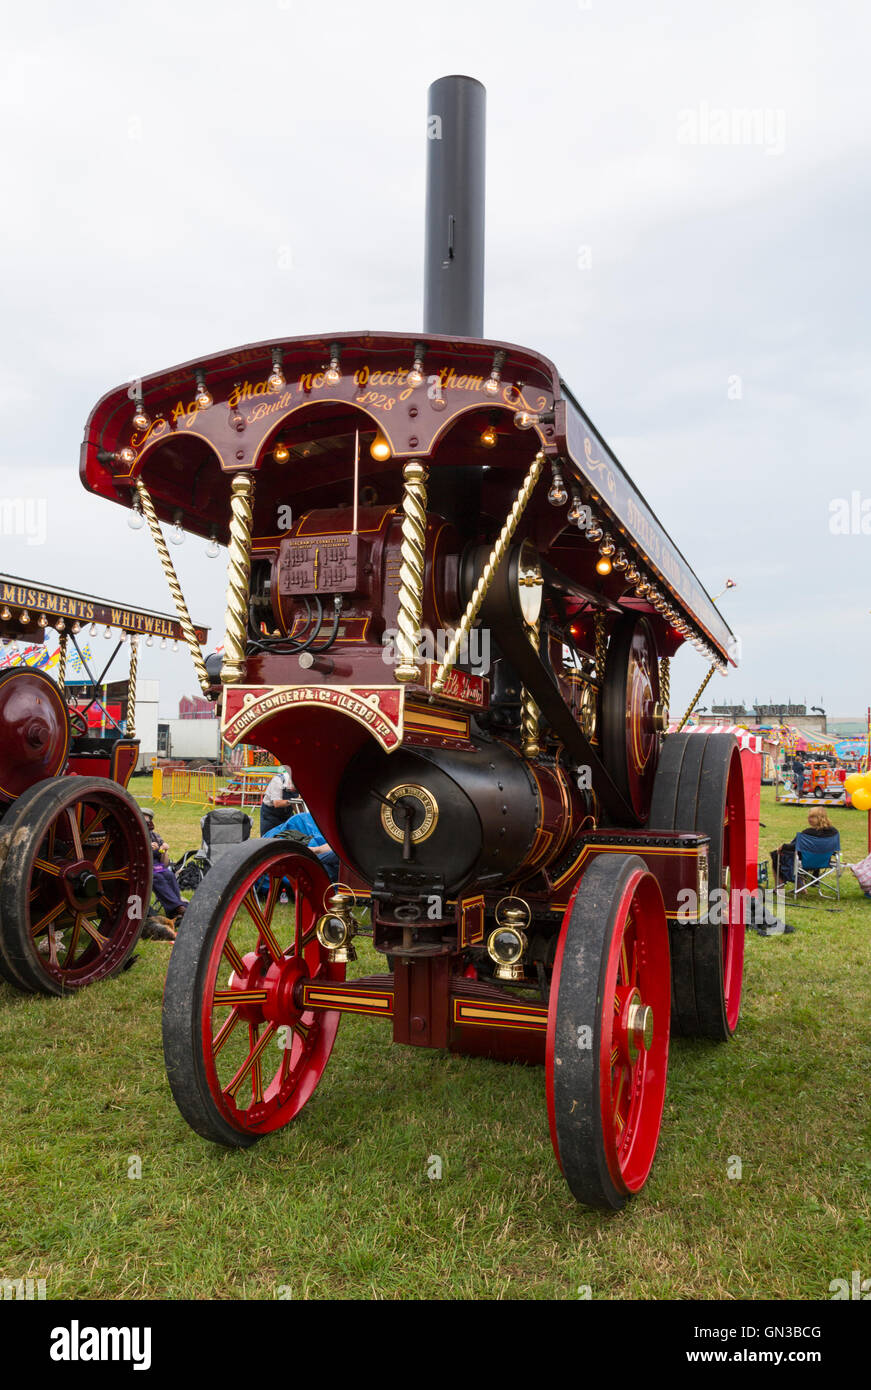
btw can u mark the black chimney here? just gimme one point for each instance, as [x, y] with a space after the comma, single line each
[453, 299]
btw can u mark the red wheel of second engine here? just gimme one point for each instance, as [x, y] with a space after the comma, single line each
[76, 883]
[608, 1032]
[629, 711]
[34, 730]
[243, 1053]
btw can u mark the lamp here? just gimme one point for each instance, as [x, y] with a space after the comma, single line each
[276, 380]
[415, 376]
[332, 375]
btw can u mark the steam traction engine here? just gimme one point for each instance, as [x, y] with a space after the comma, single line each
[502, 797]
[75, 856]
[451, 613]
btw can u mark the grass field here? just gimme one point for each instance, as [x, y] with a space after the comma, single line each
[339, 1205]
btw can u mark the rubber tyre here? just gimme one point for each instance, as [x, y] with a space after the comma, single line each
[699, 787]
[614, 939]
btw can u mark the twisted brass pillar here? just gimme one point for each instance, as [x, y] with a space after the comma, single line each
[131, 687]
[698, 695]
[601, 648]
[529, 709]
[181, 607]
[62, 663]
[411, 571]
[238, 577]
[494, 560]
[664, 681]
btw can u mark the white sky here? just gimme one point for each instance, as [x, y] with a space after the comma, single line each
[163, 162]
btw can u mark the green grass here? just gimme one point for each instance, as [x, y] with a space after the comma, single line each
[339, 1204]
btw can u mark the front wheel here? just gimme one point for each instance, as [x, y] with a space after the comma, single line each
[242, 1055]
[608, 1031]
[76, 882]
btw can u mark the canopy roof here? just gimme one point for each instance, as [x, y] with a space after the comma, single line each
[212, 417]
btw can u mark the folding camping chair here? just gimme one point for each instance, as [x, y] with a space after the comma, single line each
[817, 859]
[222, 828]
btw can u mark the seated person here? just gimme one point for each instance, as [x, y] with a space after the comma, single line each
[820, 827]
[305, 824]
[164, 881]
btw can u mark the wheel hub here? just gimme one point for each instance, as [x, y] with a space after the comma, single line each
[81, 883]
[636, 1027]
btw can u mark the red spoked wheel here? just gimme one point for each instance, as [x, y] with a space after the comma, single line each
[608, 1032]
[700, 786]
[243, 1055]
[75, 886]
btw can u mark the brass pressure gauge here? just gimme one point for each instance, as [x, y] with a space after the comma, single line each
[411, 805]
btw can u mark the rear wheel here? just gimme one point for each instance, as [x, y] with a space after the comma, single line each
[242, 1053]
[607, 1032]
[700, 787]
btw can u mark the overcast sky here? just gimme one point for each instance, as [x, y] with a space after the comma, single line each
[678, 214]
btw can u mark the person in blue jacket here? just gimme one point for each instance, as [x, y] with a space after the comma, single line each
[305, 824]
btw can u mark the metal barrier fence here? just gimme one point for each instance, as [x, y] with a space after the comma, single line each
[189, 786]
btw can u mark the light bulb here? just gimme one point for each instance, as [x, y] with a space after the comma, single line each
[163, 644]
[203, 398]
[594, 532]
[276, 380]
[379, 448]
[5, 614]
[620, 562]
[603, 565]
[557, 496]
[141, 420]
[175, 645]
[281, 453]
[107, 632]
[332, 376]
[60, 625]
[212, 549]
[494, 380]
[149, 641]
[489, 437]
[176, 535]
[24, 617]
[126, 455]
[607, 547]
[632, 575]
[136, 520]
[576, 510]
[42, 621]
[525, 419]
[123, 636]
[93, 630]
[415, 376]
